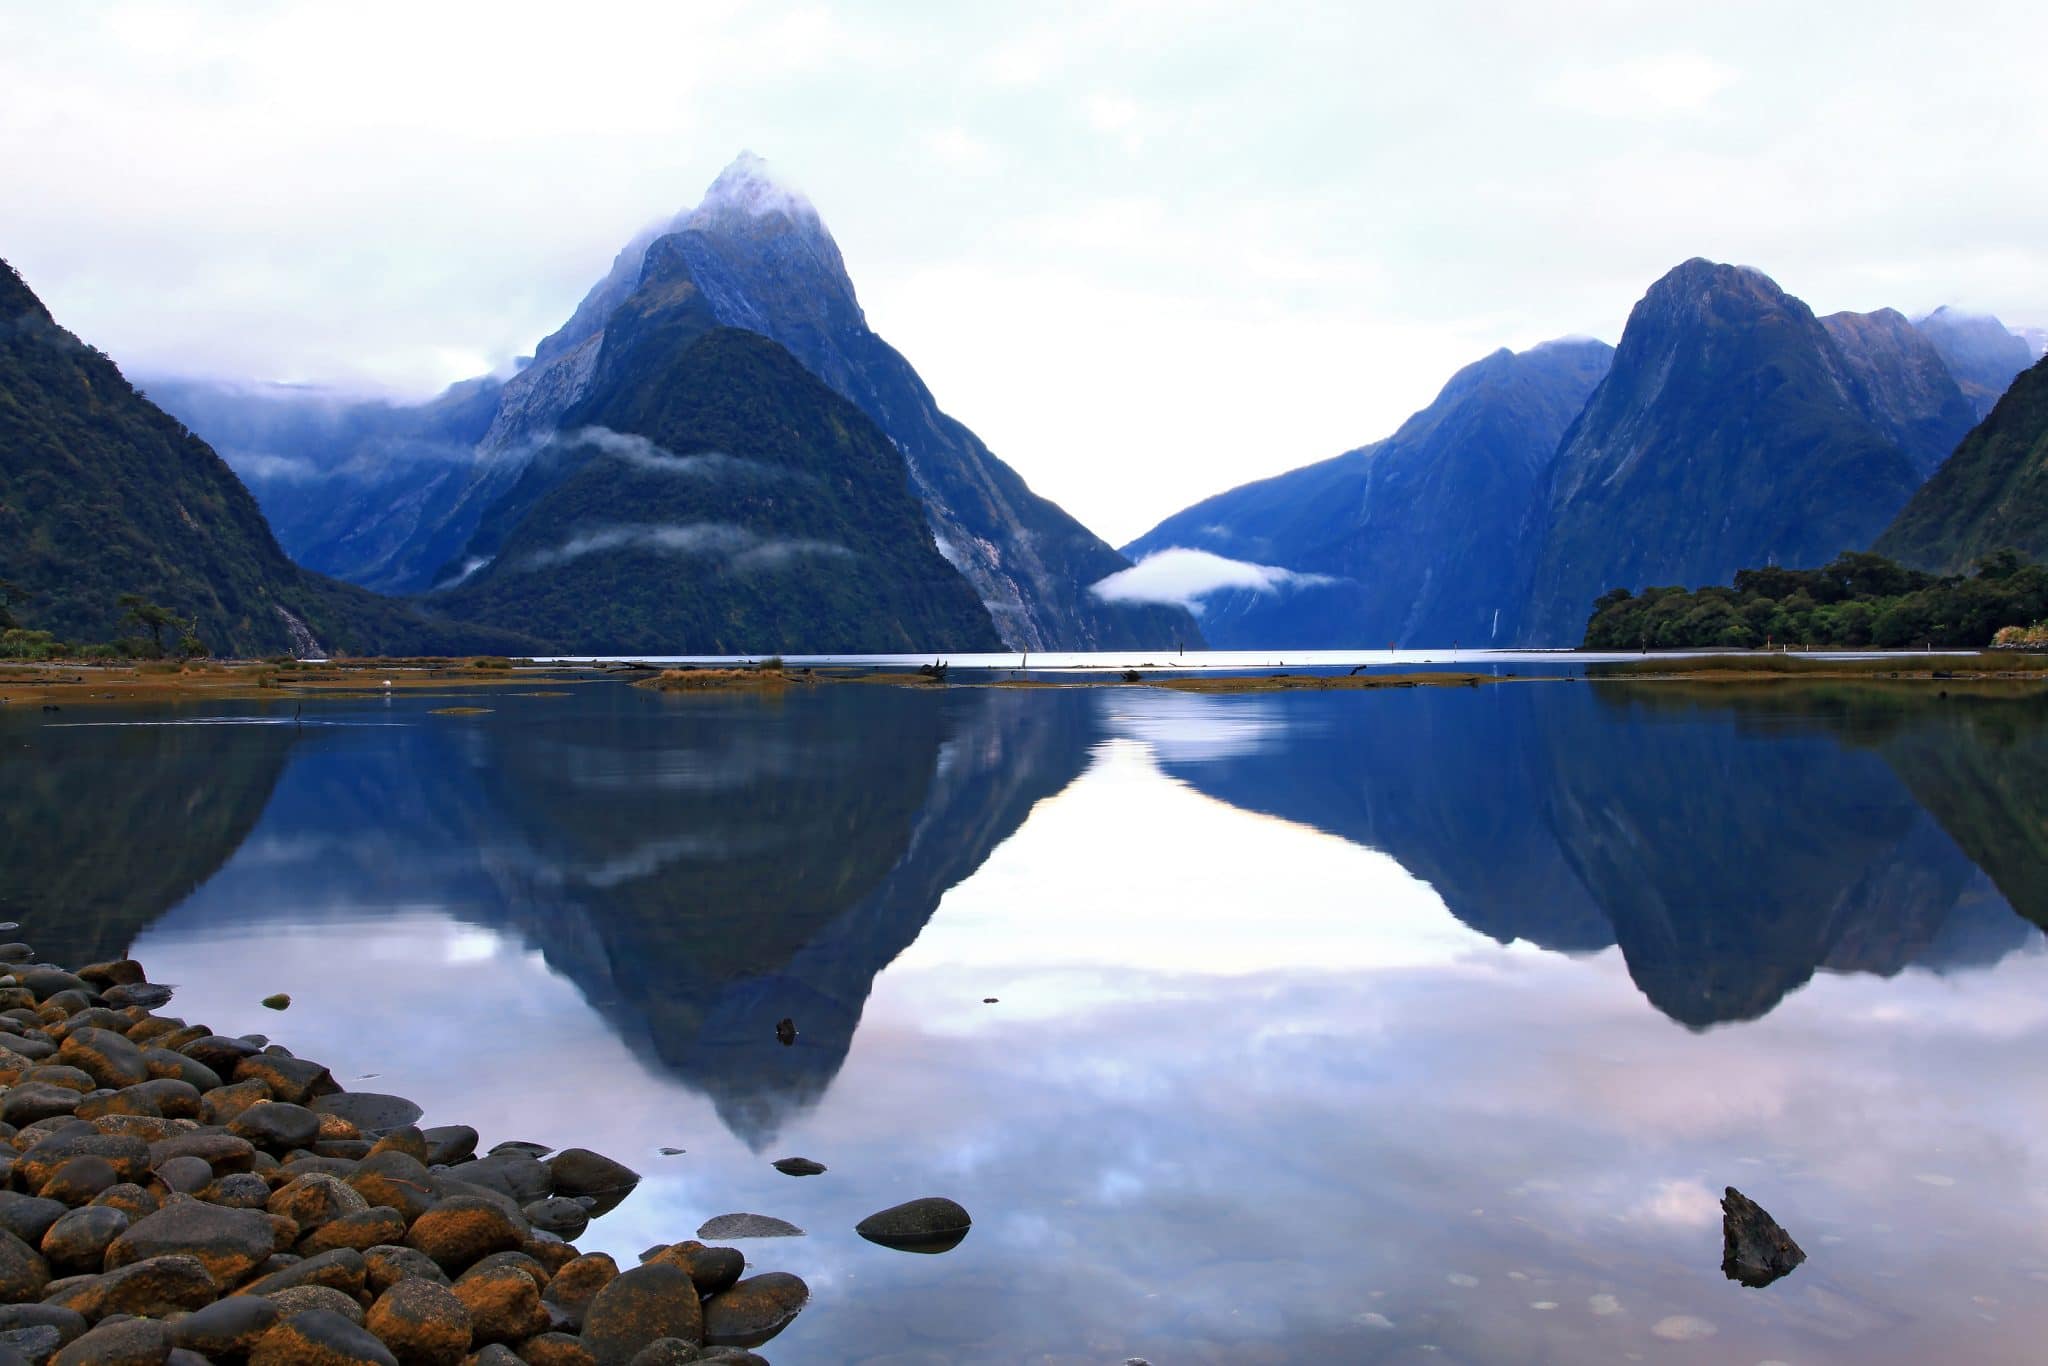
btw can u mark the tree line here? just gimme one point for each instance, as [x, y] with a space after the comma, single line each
[1857, 600]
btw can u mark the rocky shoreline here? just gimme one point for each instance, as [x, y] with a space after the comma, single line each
[170, 1196]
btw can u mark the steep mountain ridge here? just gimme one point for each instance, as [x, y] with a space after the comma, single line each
[1424, 534]
[1907, 387]
[1982, 354]
[103, 493]
[1731, 431]
[1990, 495]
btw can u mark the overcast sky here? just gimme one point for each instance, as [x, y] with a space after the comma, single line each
[1148, 251]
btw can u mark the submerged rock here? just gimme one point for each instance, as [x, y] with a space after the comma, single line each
[932, 1224]
[1755, 1249]
[748, 1226]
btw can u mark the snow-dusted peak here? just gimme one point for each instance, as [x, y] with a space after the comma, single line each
[747, 189]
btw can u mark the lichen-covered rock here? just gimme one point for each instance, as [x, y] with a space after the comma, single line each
[712, 1268]
[386, 1265]
[397, 1179]
[320, 1338]
[754, 1310]
[342, 1269]
[638, 1307]
[316, 1199]
[229, 1243]
[77, 1242]
[361, 1230]
[302, 1299]
[27, 1217]
[464, 1229]
[503, 1303]
[128, 1157]
[423, 1323]
[151, 1289]
[108, 1058]
[572, 1288]
[555, 1349]
[276, 1125]
[290, 1079]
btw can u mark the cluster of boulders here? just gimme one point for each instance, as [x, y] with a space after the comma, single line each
[169, 1195]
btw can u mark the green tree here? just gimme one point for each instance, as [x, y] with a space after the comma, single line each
[150, 617]
[12, 595]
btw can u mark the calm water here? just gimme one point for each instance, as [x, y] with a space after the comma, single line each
[1414, 1026]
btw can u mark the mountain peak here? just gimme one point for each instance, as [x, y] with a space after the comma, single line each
[746, 189]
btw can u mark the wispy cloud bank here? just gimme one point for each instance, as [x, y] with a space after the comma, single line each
[738, 547]
[641, 453]
[1183, 577]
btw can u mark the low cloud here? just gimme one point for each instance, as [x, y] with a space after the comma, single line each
[1182, 577]
[643, 454]
[264, 467]
[736, 546]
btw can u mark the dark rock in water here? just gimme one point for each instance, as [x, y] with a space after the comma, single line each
[448, 1143]
[463, 1229]
[672, 1152]
[755, 1310]
[1755, 1250]
[148, 995]
[932, 1224]
[748, 1226]
[521, 1145]
[511, 1172]
[578, 1172]
[278, 1001]
[641, 1306]
[799, 1166]
[563, 1218]
[785, 1030]
[374, 1114]
[573, 1288]
[712, 1269]
[319, 1335]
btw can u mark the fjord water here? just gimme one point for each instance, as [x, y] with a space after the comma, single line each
[1419, 1025]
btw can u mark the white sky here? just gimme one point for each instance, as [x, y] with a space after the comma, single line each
[1146, 250]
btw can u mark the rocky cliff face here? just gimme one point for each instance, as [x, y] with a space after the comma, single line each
[1420, 539]
[1731, 431]
[1907, 388]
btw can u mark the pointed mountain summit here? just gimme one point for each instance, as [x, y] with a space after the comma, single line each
[1731, 431]
[1422, 538]
[1981, 353]
[764, 261]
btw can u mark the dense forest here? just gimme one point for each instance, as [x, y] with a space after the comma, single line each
[1855, 600]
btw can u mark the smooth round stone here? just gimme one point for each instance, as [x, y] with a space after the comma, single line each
[395, 1179]
[277, 1125]
[148, 995]
[132, 1342]
[69, 1323]
[78, 1179]
[513, 1173]
[108, 1058]
[666, 1352]
[238, 1190]
[229, 1243]
[369, 1111]
[577, 1283]
[503, 1303]
[152, 1289]
[27, 1217]
[185, 1175]
[302, 1299]
[361, 1230]
[755, 1310]
[799, 1166]
[315, 1199]
[930, 1224]
[320, 1338]
[387, 1264]
[423, 1324]
[33, 1343]
[563, 1218]
[226, 1328]
[342, 1269]
[27, 1102]
[464, 1229]
[712, 1268]
[23, 1271]
[748, 1226]
[78, 1242]
[579, 1171]
[638, 1307]
[554, 1349]
[448, 1143]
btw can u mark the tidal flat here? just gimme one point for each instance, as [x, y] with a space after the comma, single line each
[1415, 1024]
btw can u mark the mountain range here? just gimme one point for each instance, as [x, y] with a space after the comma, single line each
[410, 500]
[1730, 428]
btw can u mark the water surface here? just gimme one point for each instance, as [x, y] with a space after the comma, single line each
[1422, 1025]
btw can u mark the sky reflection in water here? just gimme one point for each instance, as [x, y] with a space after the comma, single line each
[1329, 1028]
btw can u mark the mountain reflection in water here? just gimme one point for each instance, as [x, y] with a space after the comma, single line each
[1245, 1084]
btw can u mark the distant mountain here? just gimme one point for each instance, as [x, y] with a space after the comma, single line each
[1731, 431]
[1990, 495]
[2036, 339]
[1422, 538]
[761, 258]
[103, 493]
[1981, 353]
[707, 494]
[347, 484]
[1908, 389]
